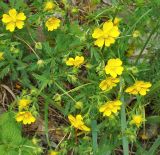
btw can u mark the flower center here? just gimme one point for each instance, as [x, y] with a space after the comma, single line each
[105, 35]
[14, 19]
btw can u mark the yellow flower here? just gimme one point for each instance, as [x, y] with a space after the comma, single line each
[107, 35]
[136, 34]
[139, 87]
[1, 55]
[78, 123]
[116, 21]
[77, 62]
[23, 103]
[13, 20]
[52, 23]
[49, 5]
[114, 67]
[110, 107]
[26, 117]
[137, 120]
[53, 153]
[108, 83]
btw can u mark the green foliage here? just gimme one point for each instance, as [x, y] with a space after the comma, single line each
[36, 58]
[11, 139]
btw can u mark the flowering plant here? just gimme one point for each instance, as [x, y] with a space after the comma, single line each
[79, 74]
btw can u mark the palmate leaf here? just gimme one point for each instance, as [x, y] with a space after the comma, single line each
[10, 130]
[65, 43]
[7, 150]
[4, 72]
[10, 133]
[11, 140]
[43, 80]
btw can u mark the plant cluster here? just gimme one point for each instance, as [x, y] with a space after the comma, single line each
[92, 68]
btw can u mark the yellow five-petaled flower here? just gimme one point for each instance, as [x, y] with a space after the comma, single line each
[23, 103]
[110, 107]
[109, 83]
[52, 23]
[107, 35]
[77, 62]
[137, 120]
[139, 87]
[114, 67]
[78, 122]
[13, 20]
[25, 117]
[49, 5]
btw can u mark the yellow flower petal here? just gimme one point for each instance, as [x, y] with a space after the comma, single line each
[114, 62]
[142, 92]
[10, 26]
[71, 119]
[53, 153]
[109, 83]
[107, 35]
[49, 6]
[109, 41]
[107, 26]
[102, 108]
[137, 120]
[97, 33]
[79, 118]
[116, 21]
[114, 32]
[52, 23]
[85, 128]
[19, 24]
[78, 61]
[99, 42]
[107, 113]
[13, 20]
[139, 87]
[13, 13]
[110, 107]
[119, 70]
[21, 16]
[114, 110]
[6, 18]
[103, 85]
[26, 117]
[78, 123]
[70, 62]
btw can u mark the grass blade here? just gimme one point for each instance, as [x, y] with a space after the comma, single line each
[94, 136]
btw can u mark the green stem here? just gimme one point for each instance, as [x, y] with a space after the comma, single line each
[94, 136]
[28, 46]
[75, 89]
[134, 25]
[123, 122]
[46, 122]
[64, 91]
[147, 41]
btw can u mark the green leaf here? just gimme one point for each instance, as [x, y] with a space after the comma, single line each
[94, 136]
[154, 147]
[4, 72]
[10, 130]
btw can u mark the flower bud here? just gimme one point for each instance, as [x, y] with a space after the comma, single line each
[79, 105]
[38, 45]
